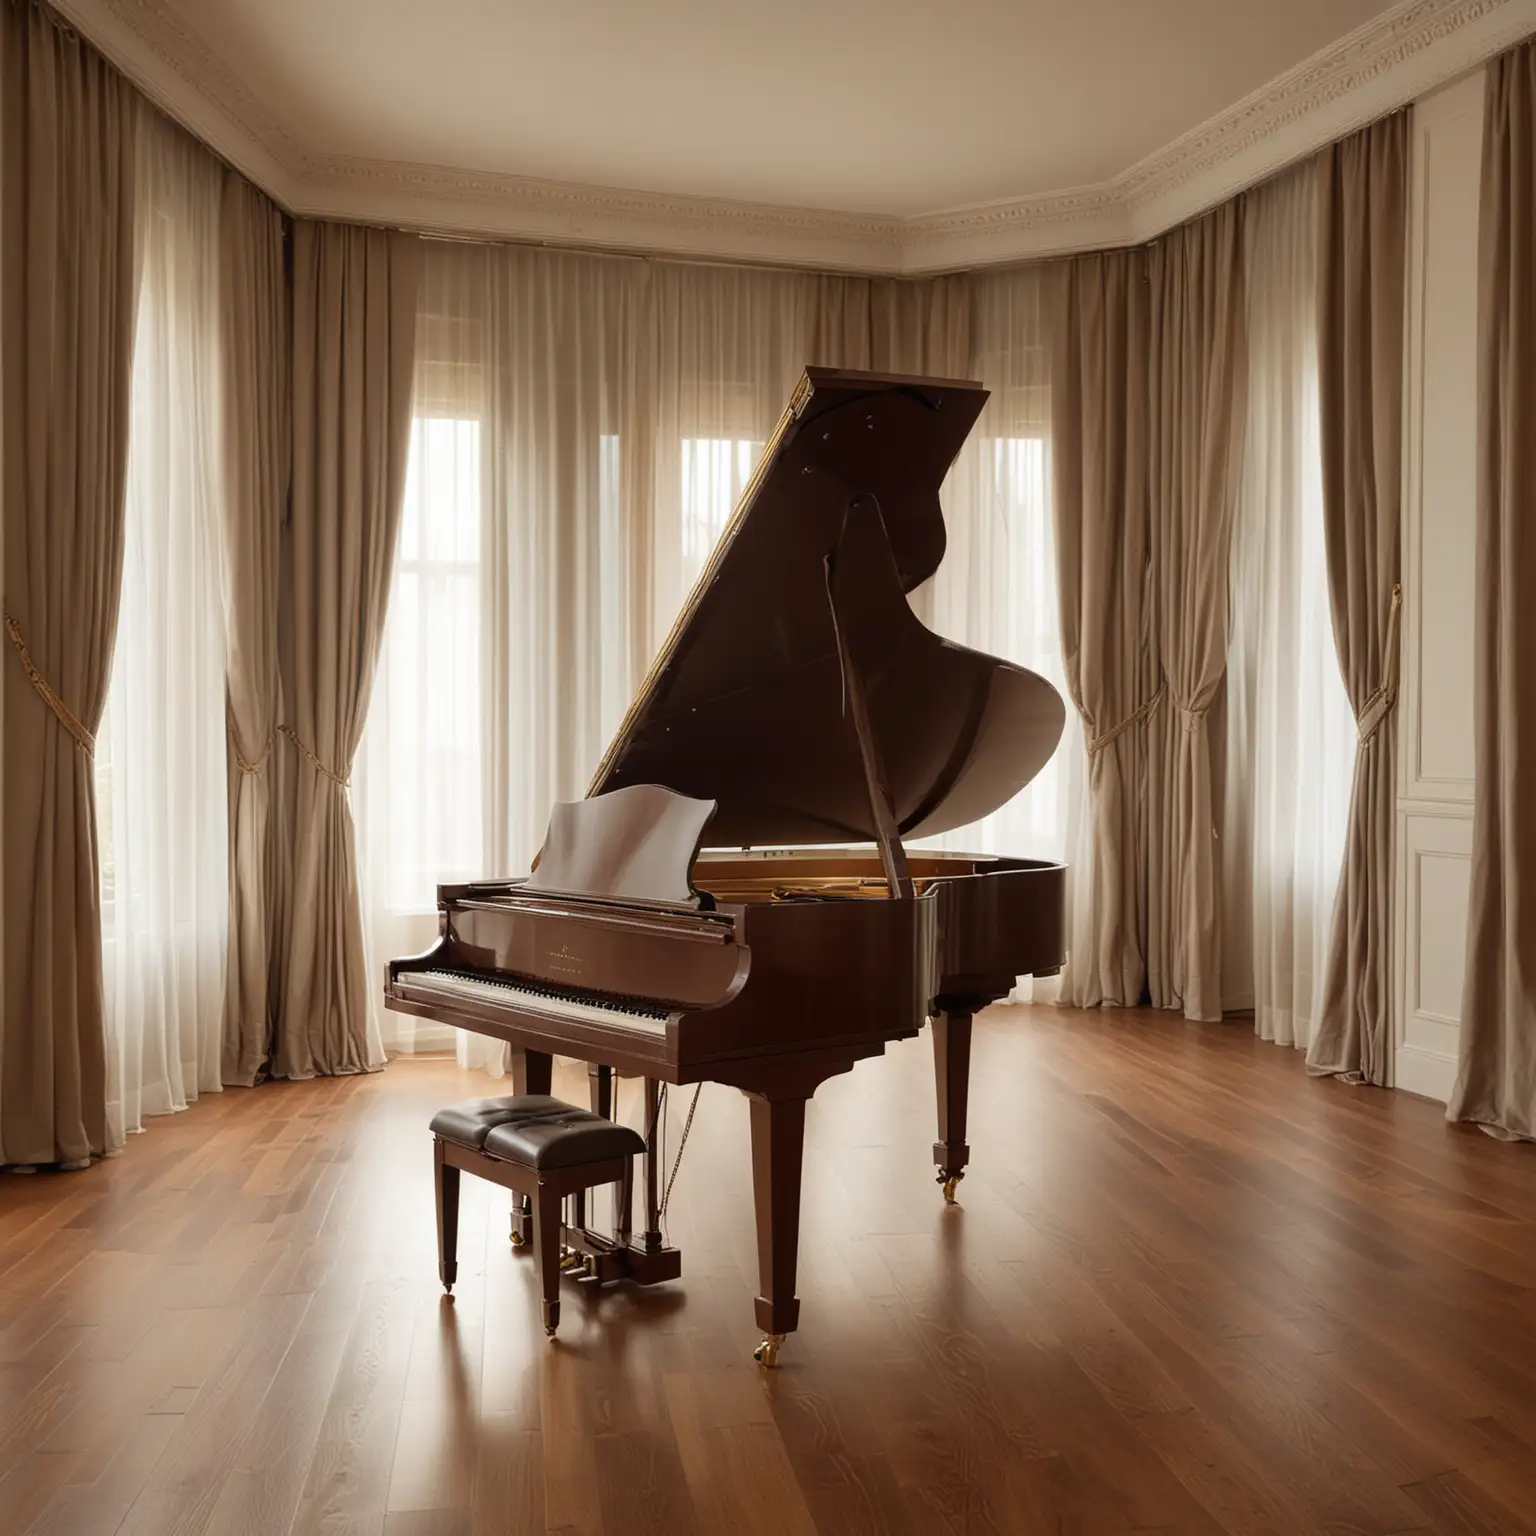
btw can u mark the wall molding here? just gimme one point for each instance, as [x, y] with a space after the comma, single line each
[1403, 53]
[1430, 1074]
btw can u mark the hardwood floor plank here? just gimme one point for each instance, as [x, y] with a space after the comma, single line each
[1187, 1291]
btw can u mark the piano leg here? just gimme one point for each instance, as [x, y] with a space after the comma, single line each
[532, 1072]
[778, 1137]
[952, 1077]
[652, 1234]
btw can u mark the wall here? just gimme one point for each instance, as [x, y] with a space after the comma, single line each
[1435, 755]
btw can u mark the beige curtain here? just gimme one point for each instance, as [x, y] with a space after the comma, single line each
[1496, 1080]
[1197, 378]
[354, 327]
[1363, 244]
[253, 314]
[1098, 315]
[922, 326]
[67, 279]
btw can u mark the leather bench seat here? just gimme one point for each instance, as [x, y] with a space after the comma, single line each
[535, 1130]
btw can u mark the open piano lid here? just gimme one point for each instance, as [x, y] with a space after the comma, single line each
[747, 703]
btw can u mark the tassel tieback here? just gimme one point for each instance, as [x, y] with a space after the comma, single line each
[46, 692]
[313, 761]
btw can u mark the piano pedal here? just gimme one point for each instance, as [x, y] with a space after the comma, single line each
[951, 1183]
[767, 1353]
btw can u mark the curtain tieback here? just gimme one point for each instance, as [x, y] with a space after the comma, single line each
[1104, 738]
[1379, 704]
[313, 761]
[254, 764]
[1190, 715]
[61, 711]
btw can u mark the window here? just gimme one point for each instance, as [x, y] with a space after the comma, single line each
[715, 473]
[430, 669]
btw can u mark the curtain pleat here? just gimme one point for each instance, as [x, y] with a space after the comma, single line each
[67, 278]
[354, 326]
[922, 327]
[254, 317]
[1098, 412]
[1496, 1076]
[1198, 373]
[160, 763]
[1363, 256]
[1290, 729]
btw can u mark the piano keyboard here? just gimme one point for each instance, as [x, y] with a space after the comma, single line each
[541, 999]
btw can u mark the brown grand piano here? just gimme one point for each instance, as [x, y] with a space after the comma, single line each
[700, 916]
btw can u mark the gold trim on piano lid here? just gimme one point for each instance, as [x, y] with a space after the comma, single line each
[790, 414]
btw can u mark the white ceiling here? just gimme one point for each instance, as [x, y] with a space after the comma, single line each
[895, 107]
[876, 135]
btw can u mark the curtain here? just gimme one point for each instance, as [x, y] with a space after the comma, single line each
[1098, 339]
[995, 589]
[160, 764]
[253, 458]
[1197, 374]
[1363, 258]
[1290, 730]
[582, 428]
[67, 284]
[1496, 1077]
[354, 322]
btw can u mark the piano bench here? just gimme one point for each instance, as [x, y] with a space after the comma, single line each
[534, 1145]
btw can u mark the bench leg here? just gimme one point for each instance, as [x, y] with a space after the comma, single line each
[447, 1184]
[546, 1252]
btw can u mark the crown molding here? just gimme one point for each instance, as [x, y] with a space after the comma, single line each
[448, 201]
[151, 43]
[1402, 54]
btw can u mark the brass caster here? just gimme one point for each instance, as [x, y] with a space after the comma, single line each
[951, 1184]
[571, 1259]
[767, 1353]
[518, 1240]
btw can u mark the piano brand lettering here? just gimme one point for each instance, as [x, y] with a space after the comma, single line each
[566, 961]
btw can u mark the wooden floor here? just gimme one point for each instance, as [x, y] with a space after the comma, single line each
[1187, 1291]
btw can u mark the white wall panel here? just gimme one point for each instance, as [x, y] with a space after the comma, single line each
[1435, 749]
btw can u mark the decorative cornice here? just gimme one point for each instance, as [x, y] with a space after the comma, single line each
[1403, 53]
[1344, 68]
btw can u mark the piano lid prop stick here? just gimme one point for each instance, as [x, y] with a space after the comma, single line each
[893, 857]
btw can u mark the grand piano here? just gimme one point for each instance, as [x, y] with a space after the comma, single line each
[734, 902]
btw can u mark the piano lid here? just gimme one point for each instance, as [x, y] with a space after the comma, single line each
[747, 705]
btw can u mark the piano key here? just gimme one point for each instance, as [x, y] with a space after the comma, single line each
[538, 998]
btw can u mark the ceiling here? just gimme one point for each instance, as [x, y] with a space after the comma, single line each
[896, 107]
[892, 134]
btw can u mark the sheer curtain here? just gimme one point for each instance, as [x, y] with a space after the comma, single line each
[996, 590]
[161, 768]
[583, 426]
[1290, 731]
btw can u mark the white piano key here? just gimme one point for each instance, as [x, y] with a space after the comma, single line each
[541, 999]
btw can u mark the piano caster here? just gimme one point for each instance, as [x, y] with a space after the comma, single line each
[767, 1353]
[518, 1240]
[571, 1260]
[951, 1183]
